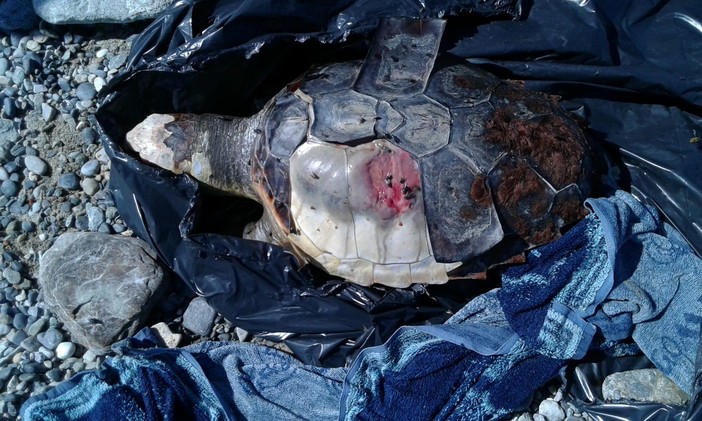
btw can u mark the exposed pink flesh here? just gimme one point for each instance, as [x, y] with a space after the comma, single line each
[393, 177]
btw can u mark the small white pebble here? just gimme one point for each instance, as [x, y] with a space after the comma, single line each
[99, 83]
[551, 410]
[65, 350]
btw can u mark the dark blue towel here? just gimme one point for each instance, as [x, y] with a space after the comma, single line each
[162, 385]
[473, 367]
[622, 272]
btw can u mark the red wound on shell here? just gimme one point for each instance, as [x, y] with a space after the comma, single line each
[394, 180]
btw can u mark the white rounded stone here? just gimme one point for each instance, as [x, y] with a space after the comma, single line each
[65, 350]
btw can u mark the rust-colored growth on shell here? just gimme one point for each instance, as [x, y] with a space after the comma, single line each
[520, 186]
[549, 142]
[468, 83]
[479, 191]
[570, 210]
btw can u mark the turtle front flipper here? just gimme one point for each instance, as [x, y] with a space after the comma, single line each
[214, 149]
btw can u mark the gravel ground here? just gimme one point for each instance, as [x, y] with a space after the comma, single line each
[53, 179]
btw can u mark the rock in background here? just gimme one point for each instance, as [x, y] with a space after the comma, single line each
[100, 286]
[98, 11]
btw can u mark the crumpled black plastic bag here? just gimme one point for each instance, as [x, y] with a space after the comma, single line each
[631, 69]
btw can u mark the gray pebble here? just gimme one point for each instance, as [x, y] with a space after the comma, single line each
[78, 366]
[105, 228]
[12, 276]
[241, 334]
[19, 321]
[28, 226]
[64, 84]
[33, 367]
[96, 217]
[81, 223]
[31, 344]
[54, 375]
[4, 65]
[8, 108]
[85, 91]
[89, 356]
[199, 317]
[90, 168]
[69, 181]
[4, 175]
[35, 164]
[18, 150]
[33, 45]
[5, 329]
[51, 338]
[18, 337]
[90, 186]
[89, 136]
[18, 76]
[11, 409]
[6, 372]
[36, 327]
[14, 227]
[117, 61]
[48, 113]
[9, 188]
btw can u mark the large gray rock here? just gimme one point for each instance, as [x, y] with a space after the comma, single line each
[646, 385]
[98, 11]
[100, 286]
[17, 15]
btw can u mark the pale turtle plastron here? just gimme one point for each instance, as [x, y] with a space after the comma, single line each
[391, 170]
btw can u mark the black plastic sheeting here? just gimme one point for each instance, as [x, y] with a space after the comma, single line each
[631, 68]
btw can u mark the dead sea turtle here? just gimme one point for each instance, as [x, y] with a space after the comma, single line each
[391, 170]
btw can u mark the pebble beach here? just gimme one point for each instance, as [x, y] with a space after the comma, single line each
[53, 179]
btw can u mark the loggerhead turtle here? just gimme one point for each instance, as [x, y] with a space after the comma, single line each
[391, 170]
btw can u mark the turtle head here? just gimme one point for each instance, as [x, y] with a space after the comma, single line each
[216, 150]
